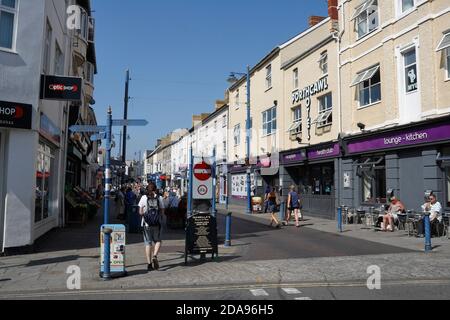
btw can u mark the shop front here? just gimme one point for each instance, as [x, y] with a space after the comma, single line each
[2, 186]
[313, 172]
[404, 161]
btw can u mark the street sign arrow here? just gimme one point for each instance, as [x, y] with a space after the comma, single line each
[129, 123]
[98, 137]
[87, 128]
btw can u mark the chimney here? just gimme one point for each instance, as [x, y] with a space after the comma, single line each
[333, 9]
[313, 20]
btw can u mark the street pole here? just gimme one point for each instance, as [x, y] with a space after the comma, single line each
[125, 117]
[249, 191]
[107, 235]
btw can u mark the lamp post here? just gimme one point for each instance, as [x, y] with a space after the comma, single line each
[233, 79]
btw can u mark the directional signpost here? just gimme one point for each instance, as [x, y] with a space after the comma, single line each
[105, 133]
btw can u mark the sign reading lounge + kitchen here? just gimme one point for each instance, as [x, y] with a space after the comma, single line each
[61, 88]
[407, 137]
[15, 115]
[310, 91]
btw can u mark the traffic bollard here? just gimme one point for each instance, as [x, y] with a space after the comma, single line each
[228, 230]
[107, 265]
[427, 225]
[339, 217]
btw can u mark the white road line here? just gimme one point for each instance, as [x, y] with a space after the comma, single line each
[304, 299]
[291, 291]
[259, 293]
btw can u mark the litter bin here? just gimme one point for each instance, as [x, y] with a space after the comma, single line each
[134, 219]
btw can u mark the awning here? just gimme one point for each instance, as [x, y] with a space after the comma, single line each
[445, 42]
[365, 75]
[363, 7]
[323, 117]
[294, 126]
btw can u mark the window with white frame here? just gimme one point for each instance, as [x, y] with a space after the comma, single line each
[295, 78]
[270, 121]
[59, 60]
[444, 45]
[236, 99]
[447, 59]
[410, 65]
[407, 5]
[224, 121]
[366, 17]
[325, 110]
[269, 76]
[368, 83]
[90, 71]
[323, 63]
[48, 47]
[84, 31]
[296, 126]
[237, 135]
[8, 13]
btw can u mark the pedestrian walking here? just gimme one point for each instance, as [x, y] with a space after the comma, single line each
[151, 209]
[266, 198]
[272, 207]
[293, 206]
[120, 204]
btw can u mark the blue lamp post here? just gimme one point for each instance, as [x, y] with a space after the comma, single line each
[233, 79]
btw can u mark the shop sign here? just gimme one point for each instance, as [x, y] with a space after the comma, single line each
[15, 115]
[61, 88]
[407, 137]
[293, 157]
[49, 130]
[324, 152]
[239, 185]
[310, 91]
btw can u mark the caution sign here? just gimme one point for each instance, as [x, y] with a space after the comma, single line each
[203, 180]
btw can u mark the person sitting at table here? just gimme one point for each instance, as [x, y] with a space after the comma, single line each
[391, 215]
[433, 207]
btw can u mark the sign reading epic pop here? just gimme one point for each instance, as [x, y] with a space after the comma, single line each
[61, 88]
[405, 137]
[15, 115]
[203, 181]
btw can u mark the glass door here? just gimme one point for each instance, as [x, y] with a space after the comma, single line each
[2, 182]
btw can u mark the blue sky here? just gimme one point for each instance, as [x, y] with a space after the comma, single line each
[180, 53]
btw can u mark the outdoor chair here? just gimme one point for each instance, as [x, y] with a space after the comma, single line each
[411, 223]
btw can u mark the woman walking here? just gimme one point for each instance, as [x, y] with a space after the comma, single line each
[272, 204]
[293, 206]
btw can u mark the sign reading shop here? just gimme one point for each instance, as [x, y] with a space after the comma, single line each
[61, 88]
[15, 115]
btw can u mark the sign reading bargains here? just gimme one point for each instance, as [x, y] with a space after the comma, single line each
[402, 138]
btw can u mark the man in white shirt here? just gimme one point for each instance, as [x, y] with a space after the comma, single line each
[151, 233]
[435, 210]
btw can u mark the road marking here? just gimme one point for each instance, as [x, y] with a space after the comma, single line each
[292, 291]
[303, 299]
[259, 292]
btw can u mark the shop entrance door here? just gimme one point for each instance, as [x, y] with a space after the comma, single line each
[411, 185]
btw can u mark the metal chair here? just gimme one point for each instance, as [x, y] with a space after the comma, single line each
[411, 223]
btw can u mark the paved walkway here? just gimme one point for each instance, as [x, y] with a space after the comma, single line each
[45, 271]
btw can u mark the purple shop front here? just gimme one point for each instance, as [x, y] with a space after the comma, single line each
[403, 138]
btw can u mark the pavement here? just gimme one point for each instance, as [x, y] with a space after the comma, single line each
[400, 258]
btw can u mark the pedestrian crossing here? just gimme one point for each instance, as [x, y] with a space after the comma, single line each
[293, 293]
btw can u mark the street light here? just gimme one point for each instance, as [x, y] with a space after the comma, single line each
[233, 79]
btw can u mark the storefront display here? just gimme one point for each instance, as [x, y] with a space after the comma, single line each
[44, 183]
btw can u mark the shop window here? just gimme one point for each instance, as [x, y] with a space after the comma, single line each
[447, 183]
[372, 172]
[44, 185]
[317, 180]
[366, 18]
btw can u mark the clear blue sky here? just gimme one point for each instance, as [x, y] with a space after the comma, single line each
[180, 53]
